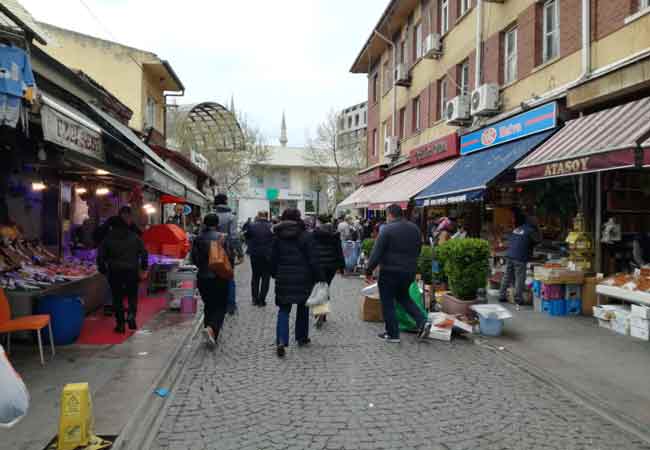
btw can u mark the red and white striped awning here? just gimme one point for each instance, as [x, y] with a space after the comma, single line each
[602, 141]
[403, 186]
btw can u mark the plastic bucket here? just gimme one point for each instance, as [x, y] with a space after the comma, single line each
[66, 316]
[490, 326]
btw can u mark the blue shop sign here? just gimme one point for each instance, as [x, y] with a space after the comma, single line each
[531, 122]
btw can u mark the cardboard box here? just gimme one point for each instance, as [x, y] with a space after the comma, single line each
[640, 333]
[621, 326]
[370, 310]
[642, 312]
[607, 324]
[589, 297]
[638, 322]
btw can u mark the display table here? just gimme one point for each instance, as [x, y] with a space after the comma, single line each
[93, 290]
[640, 298]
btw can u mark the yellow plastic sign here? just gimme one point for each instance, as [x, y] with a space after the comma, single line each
[76, 422]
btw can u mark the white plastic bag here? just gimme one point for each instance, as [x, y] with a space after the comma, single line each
[319, 295]
[14, 398]
[372, 291]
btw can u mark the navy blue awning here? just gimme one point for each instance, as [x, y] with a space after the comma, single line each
[467, 180]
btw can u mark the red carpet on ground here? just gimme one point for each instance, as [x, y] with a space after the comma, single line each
[98, 328]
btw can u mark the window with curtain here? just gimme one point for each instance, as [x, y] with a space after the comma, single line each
[444, 16]
[418, 41]
[464, 6]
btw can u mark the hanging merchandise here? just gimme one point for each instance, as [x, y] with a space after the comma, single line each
[16, 83]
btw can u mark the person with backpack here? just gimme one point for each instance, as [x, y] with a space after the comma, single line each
[329, 254]
[212, 286]
[228, 226]
[294, 266]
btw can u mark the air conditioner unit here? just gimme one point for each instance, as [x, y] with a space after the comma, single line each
[402, 77]
[391, 147]
[457, 110]
[432, 46]
[485, 100]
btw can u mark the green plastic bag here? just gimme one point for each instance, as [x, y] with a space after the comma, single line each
[406, 322]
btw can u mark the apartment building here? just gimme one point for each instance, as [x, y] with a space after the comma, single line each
[351, 127]
[439, 70]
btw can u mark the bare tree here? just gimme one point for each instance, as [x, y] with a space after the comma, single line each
[339, 160]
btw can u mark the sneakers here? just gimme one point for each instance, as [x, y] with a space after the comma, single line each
[208, 332]
[386, 338]
[303, 342]
[426, 329]
[231, 310]
[281, 351]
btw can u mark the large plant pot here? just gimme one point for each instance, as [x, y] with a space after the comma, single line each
[453, 305]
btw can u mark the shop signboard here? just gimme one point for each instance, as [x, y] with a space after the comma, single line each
[372, 176]
[525, 124]
[71, 134]
[194, 198]
[155, 177]
[583, 164]
[438, 150]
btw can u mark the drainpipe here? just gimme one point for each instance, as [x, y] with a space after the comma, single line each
[586, 38]
[389, 42]
[479, 42]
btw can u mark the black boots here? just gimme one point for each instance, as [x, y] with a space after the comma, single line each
[131, 321]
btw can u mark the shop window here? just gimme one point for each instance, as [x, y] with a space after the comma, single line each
[150, 113]
[551, 30]
[416, 114]
[510, 56]
[444, 16]
[309, 206]
[464, 78]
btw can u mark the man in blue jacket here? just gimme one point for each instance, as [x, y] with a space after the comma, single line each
[396, 252]
[520, 245]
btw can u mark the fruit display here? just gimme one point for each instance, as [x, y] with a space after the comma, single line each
[636, 282]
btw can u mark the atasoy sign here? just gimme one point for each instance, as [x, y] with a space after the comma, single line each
[68, 133]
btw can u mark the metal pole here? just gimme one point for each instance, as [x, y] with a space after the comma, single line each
[479, 43]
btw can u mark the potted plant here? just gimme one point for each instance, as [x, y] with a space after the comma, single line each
[466, 265]
[424, 269]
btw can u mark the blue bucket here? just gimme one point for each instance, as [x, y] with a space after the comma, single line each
[66, 316]
[490, 326]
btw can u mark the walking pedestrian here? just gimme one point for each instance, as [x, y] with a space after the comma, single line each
[522, 240]
[329, 254]
[228, 226]
[123, 258]
[213, 289]
[396, 252]
[259, 238]
[295, 269]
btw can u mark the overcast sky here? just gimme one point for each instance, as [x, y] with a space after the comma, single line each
[272, 55]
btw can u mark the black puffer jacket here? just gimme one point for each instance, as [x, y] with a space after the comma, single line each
[293, 263]
[201, 251]
[121, 250]
[329, 252]
[259, 238]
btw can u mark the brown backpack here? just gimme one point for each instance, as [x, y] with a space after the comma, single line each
[218, 260]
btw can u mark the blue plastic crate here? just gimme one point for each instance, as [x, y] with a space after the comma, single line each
[573, 307]
[558, 308]
[573, 292]
[537, 288]
[546, 306]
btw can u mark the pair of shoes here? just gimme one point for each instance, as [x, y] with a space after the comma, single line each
[208, 332]
[386, 338]
[119, 328]
[231, 310]
[281, 351]
[426, 329]
[303, 342]
[132, 324]
[261, 304]
[503, 300]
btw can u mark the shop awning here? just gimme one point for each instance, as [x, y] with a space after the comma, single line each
[358, 199]
[165, 199]
[158, 169]
[602, 141]
[470, 176]
[401, 187]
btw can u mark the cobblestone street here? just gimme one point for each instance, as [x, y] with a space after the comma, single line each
[348, 390]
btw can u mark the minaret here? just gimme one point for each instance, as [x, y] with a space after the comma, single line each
[283, 133]
[232, 104]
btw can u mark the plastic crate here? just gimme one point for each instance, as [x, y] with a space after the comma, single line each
[573, 307]
[558, 308]
[490, 326]
[573, 292]
[552, 291]
[537, 288]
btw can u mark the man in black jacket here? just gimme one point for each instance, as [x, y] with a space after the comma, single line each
[396, 252]
[123, 259]
[259, 238]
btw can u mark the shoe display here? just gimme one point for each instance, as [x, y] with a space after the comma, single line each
[386, 338]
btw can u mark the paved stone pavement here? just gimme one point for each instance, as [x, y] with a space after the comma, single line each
[348, 390]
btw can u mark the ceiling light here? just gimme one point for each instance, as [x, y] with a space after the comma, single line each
[81, 190]
[38, 186]
[102, 191]
[150, 210]
[102, 172]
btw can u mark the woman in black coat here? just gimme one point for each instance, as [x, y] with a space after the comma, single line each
[329, 254]
[295, 269]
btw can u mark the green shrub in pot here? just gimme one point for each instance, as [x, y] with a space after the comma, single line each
[466, 265]
[424, 264]
[367, 245]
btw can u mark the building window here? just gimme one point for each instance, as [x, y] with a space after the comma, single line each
[402, 52]
[349, 122]
[442, 95]
[356, 120]
[309, 206]
[375, 87]
[402, 123]
[365, 117]
[464, 6]
[643, 4]
[150, 113]
[374, 142]
[464, 78]
[284, 179]
[386, 136]
[417, 45]
[551, 30]
[444, 16]
[416, 114]
[510, 56]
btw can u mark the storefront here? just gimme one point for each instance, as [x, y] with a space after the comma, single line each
[358, 201]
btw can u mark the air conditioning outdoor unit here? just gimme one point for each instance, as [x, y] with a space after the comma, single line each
[432, 46]
[402, 77]
[391, 147]
[485, 100]
[457, 110]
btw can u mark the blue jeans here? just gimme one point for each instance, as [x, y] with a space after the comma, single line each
[394, 287]
[231, 294]
[302, 324]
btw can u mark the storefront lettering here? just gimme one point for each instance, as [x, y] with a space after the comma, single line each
[435, 151]
[76, 135]
[372, 176]
[67, 133]
[566, 167]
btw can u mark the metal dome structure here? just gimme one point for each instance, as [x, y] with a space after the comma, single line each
[205, 127]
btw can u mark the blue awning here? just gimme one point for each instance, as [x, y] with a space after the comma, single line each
[471, 175]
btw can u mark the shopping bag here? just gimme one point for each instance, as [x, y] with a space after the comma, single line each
[319, 310]
[14, 397]
[372, 291]
[218, 260]
[319, 295]
[406, 322]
